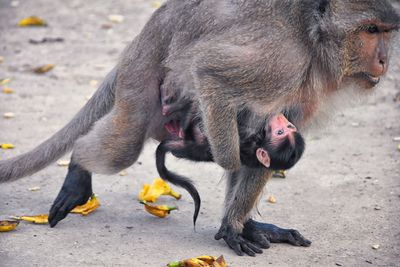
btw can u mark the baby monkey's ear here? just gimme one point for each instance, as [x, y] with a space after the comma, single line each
[263, 157]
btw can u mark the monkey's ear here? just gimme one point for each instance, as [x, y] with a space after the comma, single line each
[263, 157]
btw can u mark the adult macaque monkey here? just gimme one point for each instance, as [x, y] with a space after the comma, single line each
[259, 54]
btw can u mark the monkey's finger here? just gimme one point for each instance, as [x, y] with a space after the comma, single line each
[247, 250]
[219, 235]
[235, 245]
[259, 239]
[54, 208]
[301, 240]
[250, 248]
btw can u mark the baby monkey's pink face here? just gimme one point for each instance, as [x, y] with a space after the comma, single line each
[281, 129]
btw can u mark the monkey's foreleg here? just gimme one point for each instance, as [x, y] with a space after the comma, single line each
[254, 230]
[76, 190]
[244, 188]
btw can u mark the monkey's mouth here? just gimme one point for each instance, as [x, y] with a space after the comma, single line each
[371, 79]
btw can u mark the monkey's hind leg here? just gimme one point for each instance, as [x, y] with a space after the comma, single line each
[76, 190]
[254, 231]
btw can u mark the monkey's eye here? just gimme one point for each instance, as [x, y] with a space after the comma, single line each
[280, 132]
[372, 29]
[291, 126]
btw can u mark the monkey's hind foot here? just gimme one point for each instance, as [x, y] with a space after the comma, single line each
[76, 190]
[259, 232]
[237, 242]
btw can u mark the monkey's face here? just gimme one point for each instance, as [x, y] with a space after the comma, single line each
[367, 54]
[369, 26]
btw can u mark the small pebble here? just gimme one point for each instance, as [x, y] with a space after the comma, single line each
[376, 247]
[8, 115]
[272, 199]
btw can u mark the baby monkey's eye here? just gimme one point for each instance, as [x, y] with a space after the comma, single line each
[280, 132]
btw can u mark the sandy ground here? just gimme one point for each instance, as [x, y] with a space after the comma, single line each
[344, 194]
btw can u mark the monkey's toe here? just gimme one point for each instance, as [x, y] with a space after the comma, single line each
[76, 190]
[237, 242]
[255, 231]
[63, 204]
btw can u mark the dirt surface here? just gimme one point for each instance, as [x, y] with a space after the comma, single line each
[344, 195]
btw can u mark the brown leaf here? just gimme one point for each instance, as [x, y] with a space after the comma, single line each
[44, 68]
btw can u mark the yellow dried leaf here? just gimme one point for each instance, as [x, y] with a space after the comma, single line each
[5, 81]
[63, 163]
[37, 219]
[8, 115]
[151, 193]
[94, 83]
[6, 226]
[8, 90]
[398, 147]
[35, 188]
[156, 4]
[6, 146]
[91, 205]
[123, 173]
[201, 261]
[161, 211]
[44, 68]
[32, 21]
[272, 199]
[279, 174]
[116, 18]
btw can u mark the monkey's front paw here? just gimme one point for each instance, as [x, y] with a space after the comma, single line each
[258, 232]
[237, 242]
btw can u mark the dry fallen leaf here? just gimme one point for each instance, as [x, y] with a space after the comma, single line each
[6, 226]
[123, 173]
[151, 193]
[43, 69]
[47, 40]
[116, 18]
[94, 83]
[398, 147]
[91, 205]
[6, 146]
[8, 115]
[279, 174]
[201, 261]
[156, 4]
[272, 199]
[35, 188]
[161, 211]
[37, 219]
[5, 81]
[32, 21]
[7, 90]
[63, 163]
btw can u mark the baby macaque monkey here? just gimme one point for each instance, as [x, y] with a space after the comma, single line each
[271, 142]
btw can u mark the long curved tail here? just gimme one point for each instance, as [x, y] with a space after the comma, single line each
[177, 179]
[62, 141]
